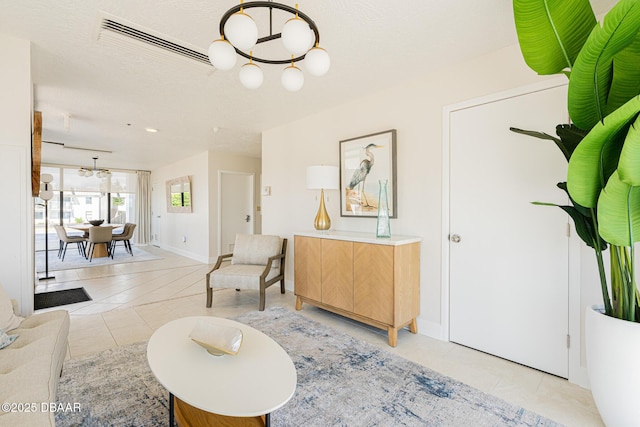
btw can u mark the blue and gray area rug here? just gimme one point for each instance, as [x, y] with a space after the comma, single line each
[342, 381]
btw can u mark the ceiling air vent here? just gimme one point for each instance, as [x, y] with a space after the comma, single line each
[121, 33]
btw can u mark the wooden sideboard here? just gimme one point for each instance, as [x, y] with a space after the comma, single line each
[374, 281]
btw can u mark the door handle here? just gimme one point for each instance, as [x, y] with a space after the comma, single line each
[248, 218]
[455, 238]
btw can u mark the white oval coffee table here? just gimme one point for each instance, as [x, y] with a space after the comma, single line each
[258, 380]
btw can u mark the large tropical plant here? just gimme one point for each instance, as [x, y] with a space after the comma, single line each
[602, 145]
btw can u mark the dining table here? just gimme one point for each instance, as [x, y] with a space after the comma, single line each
[100, 250]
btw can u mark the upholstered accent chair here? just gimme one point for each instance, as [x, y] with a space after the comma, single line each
[257, 262]
[66, 239]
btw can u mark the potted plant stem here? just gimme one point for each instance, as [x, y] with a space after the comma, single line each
[602, 145]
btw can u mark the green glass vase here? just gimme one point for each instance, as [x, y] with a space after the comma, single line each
[383, 228]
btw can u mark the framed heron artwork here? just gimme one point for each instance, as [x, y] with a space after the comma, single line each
[364, 161]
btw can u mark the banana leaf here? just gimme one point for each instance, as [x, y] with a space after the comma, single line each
[596, 157]
[552, 32]
[569, 137]
[626, 76]
[592, 73]
[582, 224]
[619, 212]
[629, 164]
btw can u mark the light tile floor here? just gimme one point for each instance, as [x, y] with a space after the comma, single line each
[131, 300]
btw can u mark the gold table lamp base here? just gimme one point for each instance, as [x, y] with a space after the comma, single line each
[322, 221]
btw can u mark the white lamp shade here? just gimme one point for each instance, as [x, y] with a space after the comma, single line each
[46, 178]
[241, 30]
[88, 173]
[312, 39]
[317, 62]
[46, 191]
[80, 172]
[222, 55]
[251, 76]
[296, 36]
[292, 78]
[322, 177]
[46, 195]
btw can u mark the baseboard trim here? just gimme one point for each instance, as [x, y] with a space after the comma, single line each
[579, 376]
[431, 329]
[188, 254]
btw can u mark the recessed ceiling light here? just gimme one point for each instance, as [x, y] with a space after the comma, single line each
[152, 130]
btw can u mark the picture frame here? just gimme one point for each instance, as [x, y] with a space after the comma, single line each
[359, 186]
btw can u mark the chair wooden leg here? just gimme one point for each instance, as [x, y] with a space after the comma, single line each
[91, 248]
[209, 296]
[282, 286]
[262, 298]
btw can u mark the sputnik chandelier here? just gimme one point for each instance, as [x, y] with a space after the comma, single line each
[239, 34]
[100, 173]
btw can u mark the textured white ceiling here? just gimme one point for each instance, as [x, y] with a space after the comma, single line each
[112, 92]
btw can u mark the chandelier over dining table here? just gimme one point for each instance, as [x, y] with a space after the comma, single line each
[239, 34]
[99, 172]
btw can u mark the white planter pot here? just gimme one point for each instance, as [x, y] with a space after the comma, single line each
[613, 364]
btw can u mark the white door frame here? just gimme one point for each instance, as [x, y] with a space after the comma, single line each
[577, 374]
[253, 202]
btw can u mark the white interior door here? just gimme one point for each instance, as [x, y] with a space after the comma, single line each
[158, 206]
[236, 208]
[509, 268]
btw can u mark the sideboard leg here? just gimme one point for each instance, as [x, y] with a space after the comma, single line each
[413, 326]
[171, 409]
[298, 303]
[393, 336]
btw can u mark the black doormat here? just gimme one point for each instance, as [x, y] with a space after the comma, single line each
[56, 298]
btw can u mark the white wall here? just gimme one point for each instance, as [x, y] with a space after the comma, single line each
[16, 217]
[201, 226]
[194, 226]
[415, 110]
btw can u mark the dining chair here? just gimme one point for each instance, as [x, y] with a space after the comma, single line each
[66, 239]
[99, 235]
[125, 238]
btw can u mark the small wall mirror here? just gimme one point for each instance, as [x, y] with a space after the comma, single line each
[179, 195]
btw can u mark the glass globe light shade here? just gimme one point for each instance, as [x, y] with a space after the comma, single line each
[46, 195]
[46, 178]
[312, 39]
[100, 174]
[317, 62]
[251, 76]
[296, 36]
[292, 78]
[222, 55]
[88, 173]
[241, 30]
[80, 172]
